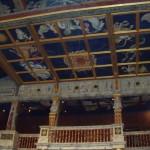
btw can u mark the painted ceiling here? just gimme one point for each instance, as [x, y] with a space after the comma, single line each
[77, 48]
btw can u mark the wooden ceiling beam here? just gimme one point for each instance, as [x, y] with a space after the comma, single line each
[42, 51]
[137, 41]
[66, 52]
[112, 46]
[9, 69]
[88, 49]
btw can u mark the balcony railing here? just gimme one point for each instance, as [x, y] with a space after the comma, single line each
[80, 135]
[137, 139]
[77, 137]
[27, 140]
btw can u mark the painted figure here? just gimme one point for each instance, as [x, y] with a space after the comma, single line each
[146, 17]
[4, 9]
[97, 25]
[34, 5]
[68, 26]
[32, 52]
[22, 35]
[45, 28]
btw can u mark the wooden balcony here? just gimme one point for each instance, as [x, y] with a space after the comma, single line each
[76, 137]
[81, 137]
[27, 141]
[137, 140]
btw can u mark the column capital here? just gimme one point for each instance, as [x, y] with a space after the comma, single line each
[117, 96]
[55, 98]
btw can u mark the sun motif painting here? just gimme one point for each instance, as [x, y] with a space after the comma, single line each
[79, 61]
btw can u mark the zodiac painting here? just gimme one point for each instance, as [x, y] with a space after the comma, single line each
[70, 27]
[94, 25]
[21, 34]
[6, 7]
[75, 48]
[80, 61]
[31, 4]
[46, 30]
[145, 21]
[51, 3]
[131, 69]
[31, 51]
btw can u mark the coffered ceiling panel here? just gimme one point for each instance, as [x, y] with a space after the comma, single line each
[82, 48]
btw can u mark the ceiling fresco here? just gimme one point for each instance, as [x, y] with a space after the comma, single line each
[15, 6]
[83, 48]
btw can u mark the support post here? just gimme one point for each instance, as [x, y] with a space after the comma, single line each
[54, 111]
[117, 108]
[11, 122]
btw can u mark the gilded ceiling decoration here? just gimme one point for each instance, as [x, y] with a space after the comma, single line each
[76, 48]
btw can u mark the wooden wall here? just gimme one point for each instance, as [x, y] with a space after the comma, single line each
[29, 123]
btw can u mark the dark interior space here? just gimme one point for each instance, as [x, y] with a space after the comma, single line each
[31, 115]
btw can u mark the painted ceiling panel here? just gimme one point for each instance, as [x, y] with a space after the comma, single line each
[7, 7]
[59, 62]
[105, 71]
[94, 25]
[125, 41]
[53, 49]
[99, 44]
[13, 6]
[46, 31]
[44, 75]
[21, 34]
[79, 48]
[127, 69]
[76, 47]
[84, 73]
[11, 53]
[65, 74]
[27, 77]
[124, 22]
[144, 40]
[145, 19]
[20, 66]
[4, 38]
[126, 56]
[70, 27]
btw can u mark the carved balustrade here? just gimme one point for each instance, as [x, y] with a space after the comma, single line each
[27, 140]
[102, 137]
[137, 139]
[80, 135]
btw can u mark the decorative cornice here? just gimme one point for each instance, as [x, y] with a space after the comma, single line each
[23, 18]
[135, 86]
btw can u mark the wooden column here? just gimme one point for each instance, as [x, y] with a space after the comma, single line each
[54, 110]
[117, 108]
[11, 122]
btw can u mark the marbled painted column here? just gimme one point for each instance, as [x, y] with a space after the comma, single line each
[11, 122]
[117, 108]
[54, 110]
